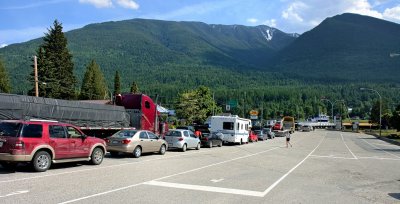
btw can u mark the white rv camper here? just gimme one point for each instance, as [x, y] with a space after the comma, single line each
[234, 129]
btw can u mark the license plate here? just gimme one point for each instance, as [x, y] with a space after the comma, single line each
[115, 142]
[1, 144]
[170, 144]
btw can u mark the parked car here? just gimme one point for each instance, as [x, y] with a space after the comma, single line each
[260, 135]
[211, 140]
[182, 139]
[45, 142]
[269, 132]
[306, 128]
[277, 126]
[253, 137]
[135, 142]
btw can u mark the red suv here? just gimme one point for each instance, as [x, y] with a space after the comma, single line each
[44, 142]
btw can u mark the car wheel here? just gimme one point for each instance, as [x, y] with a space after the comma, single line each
[162, 149]
[184, 148]
[137, 152]
[198, 146]
[114, 154]
[220, 145]
[97, 156]
[41, 161]
[210, 144]
[9, 165]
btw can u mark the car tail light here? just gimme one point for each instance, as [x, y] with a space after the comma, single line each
[19, 144]
[126, 141]
[180, 139]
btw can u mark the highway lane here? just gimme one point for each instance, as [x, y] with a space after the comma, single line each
[322, 166]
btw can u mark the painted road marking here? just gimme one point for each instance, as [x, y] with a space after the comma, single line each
[380, 149]
[347, 146]
[331, 157]
[14, 193]
[126, 187]
[291, 170]
[101, 167]
[206, 188]
[216, 180]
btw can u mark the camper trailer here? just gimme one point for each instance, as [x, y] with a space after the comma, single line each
[235, 129]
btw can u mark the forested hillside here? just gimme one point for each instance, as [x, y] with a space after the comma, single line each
[347, 47]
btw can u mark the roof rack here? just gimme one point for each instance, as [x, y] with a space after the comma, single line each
[42, 120]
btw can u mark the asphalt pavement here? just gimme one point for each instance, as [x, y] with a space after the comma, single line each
[321, 167]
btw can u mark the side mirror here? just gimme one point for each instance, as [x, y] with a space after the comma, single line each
[84, 136]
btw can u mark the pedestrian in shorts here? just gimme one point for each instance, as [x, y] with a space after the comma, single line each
[288, 140]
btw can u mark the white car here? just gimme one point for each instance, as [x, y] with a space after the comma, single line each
[182, 139]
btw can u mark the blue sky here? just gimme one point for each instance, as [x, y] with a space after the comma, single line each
[23, 20]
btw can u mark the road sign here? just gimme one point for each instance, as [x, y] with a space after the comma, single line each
[227, 107]
[253, 117]
[253, 112]
[233, 103]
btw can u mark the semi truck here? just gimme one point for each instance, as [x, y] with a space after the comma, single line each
[129, 111]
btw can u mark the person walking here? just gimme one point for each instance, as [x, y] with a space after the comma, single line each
[288, 140]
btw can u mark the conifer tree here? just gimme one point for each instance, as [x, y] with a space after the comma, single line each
[93, 85]
[4, 80]
[117, 83]
[55, 66]
[134, 88]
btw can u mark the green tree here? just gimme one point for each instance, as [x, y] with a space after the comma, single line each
[93, 85]
[196, 105]
[134, 88]
[4, 80]
[117, 83]
[55, 66]
[395, 119]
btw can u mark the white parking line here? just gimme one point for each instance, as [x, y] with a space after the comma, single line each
[102, 193]
[206, 188]
[101, 167]
[347, 146]
[14, 193]
[291, 170]
[332, 157]
[130, 186]
[380, 148]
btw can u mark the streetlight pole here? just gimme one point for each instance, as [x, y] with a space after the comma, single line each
[324, 99]
[341, 114]
[380, 108]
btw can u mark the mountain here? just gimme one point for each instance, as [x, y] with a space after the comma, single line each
[138, 47]
[347, 47]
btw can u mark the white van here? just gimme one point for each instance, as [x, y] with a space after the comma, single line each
[234, 129]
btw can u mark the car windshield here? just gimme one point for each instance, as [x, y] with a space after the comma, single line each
[9, 129]
[125, 133]
[174, 133]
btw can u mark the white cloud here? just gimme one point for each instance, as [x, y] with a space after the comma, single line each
[98, 3]
[270, 23]
[252, 20]
[129, 4]
[392, 13]
[293, 12]
[2, 45]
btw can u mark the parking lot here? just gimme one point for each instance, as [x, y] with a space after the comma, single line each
[321, 167]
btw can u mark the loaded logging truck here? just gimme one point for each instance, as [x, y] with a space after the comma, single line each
[129, 111]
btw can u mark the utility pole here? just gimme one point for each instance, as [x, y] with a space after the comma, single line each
[36, 76]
